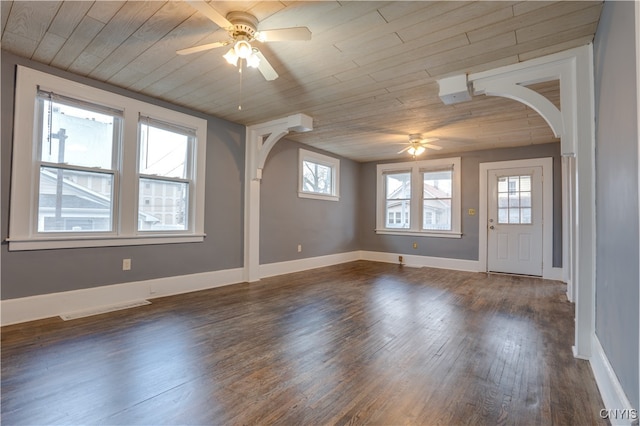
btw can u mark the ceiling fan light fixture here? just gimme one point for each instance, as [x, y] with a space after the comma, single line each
[416, 150]
[243, 49]
[231, 57]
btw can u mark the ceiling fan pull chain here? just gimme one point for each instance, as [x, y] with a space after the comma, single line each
[240, 95]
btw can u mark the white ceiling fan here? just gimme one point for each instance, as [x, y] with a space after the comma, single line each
[417, 145]
[242, 29]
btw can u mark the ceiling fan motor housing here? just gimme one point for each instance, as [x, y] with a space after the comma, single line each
[244, 25]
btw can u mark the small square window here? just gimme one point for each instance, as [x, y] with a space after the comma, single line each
[318, 176]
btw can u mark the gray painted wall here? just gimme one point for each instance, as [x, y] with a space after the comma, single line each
[322, 227]
[466, 247]
[617, 212]
[29, 273]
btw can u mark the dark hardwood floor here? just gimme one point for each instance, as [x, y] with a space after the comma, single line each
[362, 342]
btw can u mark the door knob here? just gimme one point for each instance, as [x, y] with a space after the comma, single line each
[491, 227]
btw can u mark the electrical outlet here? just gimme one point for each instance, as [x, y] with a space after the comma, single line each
[299, 248]
[126, 264]
[415, 245]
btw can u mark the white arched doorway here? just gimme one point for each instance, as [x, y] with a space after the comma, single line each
[575, 126]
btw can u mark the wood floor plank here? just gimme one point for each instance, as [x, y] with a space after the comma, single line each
[359, 343]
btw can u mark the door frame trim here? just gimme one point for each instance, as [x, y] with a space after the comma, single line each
[547, 210]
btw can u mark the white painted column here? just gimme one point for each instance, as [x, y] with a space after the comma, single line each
[260, 138]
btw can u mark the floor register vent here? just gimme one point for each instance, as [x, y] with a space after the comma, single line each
[103, 310]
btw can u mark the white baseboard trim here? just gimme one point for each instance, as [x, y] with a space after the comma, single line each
[412, 260]
[31, 308]
[290, 266]
[55, 304]
[553, 274]
[618, 408]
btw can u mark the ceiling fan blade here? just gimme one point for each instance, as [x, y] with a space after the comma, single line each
[265, 67]
[429, 146]
[202, 47]
[404, 149]
[208, 11]
[285, 34]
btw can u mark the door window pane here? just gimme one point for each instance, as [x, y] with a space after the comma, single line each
[514, 199]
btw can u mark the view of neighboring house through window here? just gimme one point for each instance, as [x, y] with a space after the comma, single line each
[165, 158]
[76, 146]
[419, 198]
[319, 176]
[398, 199]
[436, 186]
[93, 168]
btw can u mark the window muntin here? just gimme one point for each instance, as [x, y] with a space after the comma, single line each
[319, 176]
[97, 170]
[428, 201]
[514, 200]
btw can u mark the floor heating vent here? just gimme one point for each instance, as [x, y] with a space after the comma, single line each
[103, 310]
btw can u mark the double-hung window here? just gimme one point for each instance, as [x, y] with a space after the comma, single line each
[164, 175]
[77, 146]
[319, 176]
[92, 168]
[419, 198]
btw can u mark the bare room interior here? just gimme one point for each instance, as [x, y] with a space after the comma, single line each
[331, 212]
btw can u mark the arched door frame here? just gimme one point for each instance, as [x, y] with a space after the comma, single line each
[574, 124]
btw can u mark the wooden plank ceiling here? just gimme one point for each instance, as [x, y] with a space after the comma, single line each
[367, 76]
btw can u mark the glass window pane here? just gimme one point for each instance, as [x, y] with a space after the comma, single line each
[437, 215]
[398, 213]
[525, 183]
[525, 215]
[514, 182]
[514, 215]
[74, 201]
[167, 210]
[317, 178]
[514, 200]
[502, 185]
[77, 136]
[163, 152]
[398, 185]
[503, 215]
[503, 200]
[437, 184]
[525, 199]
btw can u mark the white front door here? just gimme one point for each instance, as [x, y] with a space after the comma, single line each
[514, 228]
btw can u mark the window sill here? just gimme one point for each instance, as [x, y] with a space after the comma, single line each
[318, 196]
[93, 241]
[446, 234]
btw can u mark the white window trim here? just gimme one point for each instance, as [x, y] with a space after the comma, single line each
[22, 232]
[324, 160]
[416, 167]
